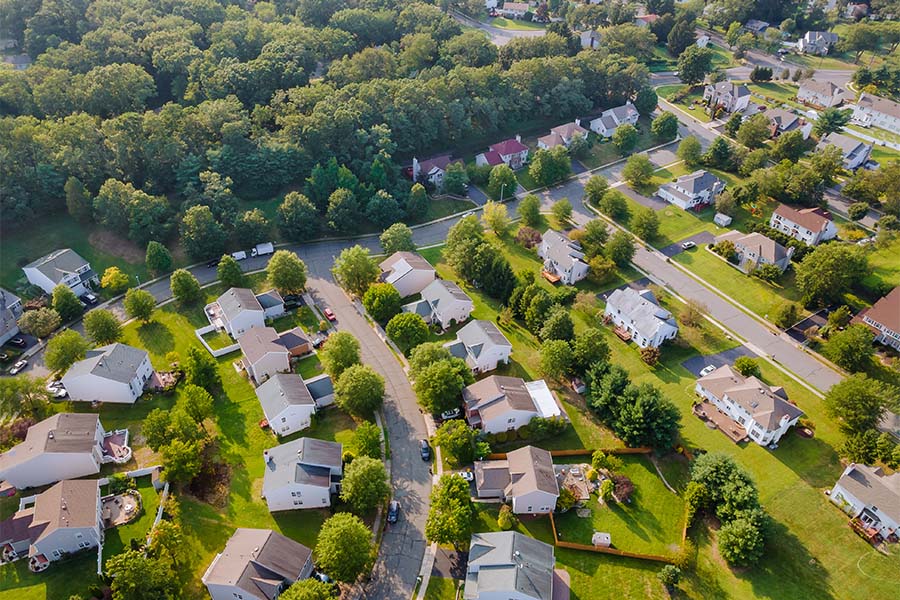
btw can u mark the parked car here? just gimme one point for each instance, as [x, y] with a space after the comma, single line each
[89, 298]
[19, 342]
[318, 341]
[329, 314]
[687, 245]
[707, 370]
[53, 385]
[468, 475]
[425, 450]
[16, 368]
[393, 513]
[451, 414]
[212, 264]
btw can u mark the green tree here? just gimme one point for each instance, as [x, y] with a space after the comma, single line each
[365, 484]
[507, 519]
[457, 441]
[665, 126]
[229, 272]
[789, 146]
[614, 204]
[690, 151]
[746, 366]
[185, 287]
[852, 348]
[734, 32]
[562, 210]
[344, 547]
[558, 325]
[858, 210]
[135, 576]
[595, 188]
[382, 301]
[66, 303]
[556, 359]
[397, 238]
[24, 396]
[308, 589]
[495, 217]
[625, 138]
[182, 461]
[252, 227]
[196, 402]
[102, 327]
[694, 65]
[620, 248]
[340, 352]
[343, 211]
[417, 204]
[589, 348]
[451, 515]
[355, 269]
[594, 236]
[786, 315]
[439, 384]
[155, 428]
[858, 402]
[455, 179]
[78, 200]
[64, 350]
[114, 280]
[830, 270]
[733, 125]
[547, 167]
[298, 220]
[754, 132]
[681, 37]
[40, 323]
[638, 170]
[367, 440]
[831, 120]
[719, 155]
[741, 543]
[645, 224]
[530, 210]
[645, 101]
[407, 330]
[201, 234]
[426, 354]
[200, 369]
[502, 183]
[286, 272]
[158, 258]
[359, 390]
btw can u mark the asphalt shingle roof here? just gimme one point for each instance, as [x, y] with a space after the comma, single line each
[116, 362]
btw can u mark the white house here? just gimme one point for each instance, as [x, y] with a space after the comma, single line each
[10, 311]
[638, 315]
[443, 302]
[431, 170]
[563, 258]
[823, 94]
[762, 410]
[264, 354]
[236, 311]
[609, 120]
[257, 564]
[755, 249]
[525, 479]
[784, 121]
[512, 153]
[508, 565]
[562, 135]
[856, 153]
[287, 403]
[590, 39]
[731, 97]
[879, 112]
[809, 225]
[481, 345]
[302, 474]
[867, 494]
[514, 10]
[817, 42]
[272, 304]
[497, 403]
[695, 191]
[883, 318]
[408, 272]
[64, 446]
[702, 41]
[61, 266]
[114, 373]
[755, 26]
[62, 520]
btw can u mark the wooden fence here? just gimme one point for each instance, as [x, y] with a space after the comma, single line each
[582, 452]
[602, 550]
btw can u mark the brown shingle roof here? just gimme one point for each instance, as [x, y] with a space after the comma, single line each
[887, 310]
[814, 219]
[531, 469]
[767, 404]
[259, 341]
[69, 503]
[63, 432]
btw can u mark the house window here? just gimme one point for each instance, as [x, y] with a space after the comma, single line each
[284, 419]
[513, 420]
[529, 509]
[79, 535]
[298, 502]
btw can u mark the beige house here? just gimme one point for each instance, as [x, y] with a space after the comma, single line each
[883, 318]
[264, 354]
[755, 249]
[408, 272]
[525, 478]
[497, 403]
[822, 94]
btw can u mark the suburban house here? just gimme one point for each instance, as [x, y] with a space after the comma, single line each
[562, 135]
[257, 564]
[694, 191]
[590, 39]
[762, 411]
[431, 170]
[236, 311]
[883, 318]
[817, 42]
[879, 112]
[638, 316]
[113, 373]
[514, 567]
[563, 259]
[525, 479]
[287, 403]
[443, 302]
[512, 153]
[783, 121]
[481, 345]
[295, 341]
[321, 389]
[10, 311]
[264, 355]
[727, 95]
[18, 62]
[513, 10]
[61, 266]
[809, 225]
[856, 10]
[408, 272]
[755, 249]
[302, 474]
[702, 41]
[871, 497]
[64, 446]
[822, 94]
[64, 519]
[272, 303]
[498, 403]
[756, 27]
[609, 120]
[856, 153]
[646, 20]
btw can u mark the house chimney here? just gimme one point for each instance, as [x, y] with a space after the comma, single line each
[415, 169]
[578, 122]
[518, 138]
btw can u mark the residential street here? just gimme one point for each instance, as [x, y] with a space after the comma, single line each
[500, 37]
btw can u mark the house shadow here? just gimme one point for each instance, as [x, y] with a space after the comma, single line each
[816, 462]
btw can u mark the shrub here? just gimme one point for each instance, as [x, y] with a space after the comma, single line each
[507, 518]
[650, 355]
[566, 500]
[528, 237]
[746, 366]
[857, 210]
[624, 488]
[607, 488]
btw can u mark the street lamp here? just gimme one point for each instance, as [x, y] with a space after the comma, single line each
[502, 186]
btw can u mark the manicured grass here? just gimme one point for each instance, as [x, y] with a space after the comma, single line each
[778, 91]
[603, 152]
[504, 23]
[525, 179]
[884, 265]
[675, 224]
[441, 588]
[695, 97]
[303, 317]
[308, 366]
[438, 209]
[217, 339]
[650, 523]
[875, 132]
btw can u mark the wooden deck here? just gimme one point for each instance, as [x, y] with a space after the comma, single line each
[716, 418]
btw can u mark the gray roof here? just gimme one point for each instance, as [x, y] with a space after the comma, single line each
[320, 452]
[763, 246]
[281, 391]
[871, 486]
[259, 561]
[756, 25]
[303, 460]
[531, 469]
[642, 309]
[699, 181]
[259, 341]
[116, 362]
[823, 88]
[623, 112]
[849, 146]
[767, 404]
[510, 392]
[68, 504]
[481, 334]
[8, 316]
[824, 38]
[270, 299]
[738, 90]
[58, 264]
[785, 120]
[882, 105]
[292, 338]
[412, 259]
[509, 562]
[443, 291]
[320, 386]
[561, 250]
[236, 300]
[61, 433]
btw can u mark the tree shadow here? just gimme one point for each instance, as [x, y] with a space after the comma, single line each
[156, 338]
[815, 461]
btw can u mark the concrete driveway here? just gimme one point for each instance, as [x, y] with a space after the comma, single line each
[477, 196]
[697, 363]
[701, 239]
[653, 203]
[450, 564]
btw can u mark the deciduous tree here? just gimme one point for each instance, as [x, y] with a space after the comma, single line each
[407, 330]
[66, 303]
[40, 323]
[185, 287]
[340, 352]
[620, 249]
[355, 269]
[359, 390]
[502, 183]
[344, 547]
[298, 219]
[286, 272]
[645, 224]
[556, 359]
[451, 514]
[365, 484]
[64, 350]
[229, 272]
[114, 280]
[495, 218]
[852, 348]
[397, 238]
[102, 327]
[595, 188]
[158, 258]
[200, 369]
[638, 170]
[439, 384]
[530, 210]
[625, 138]
[457, 440]
[690, 151]
[201, 235]
[562, 210]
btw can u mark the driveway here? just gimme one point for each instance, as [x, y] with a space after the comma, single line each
[697, 363]
[477, 196]
[637, 285]
[653, 203]
[701, 239]
[450, 564]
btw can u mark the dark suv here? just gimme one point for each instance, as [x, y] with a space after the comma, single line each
[425, 450]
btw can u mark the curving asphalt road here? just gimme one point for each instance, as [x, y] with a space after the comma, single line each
[500, 37]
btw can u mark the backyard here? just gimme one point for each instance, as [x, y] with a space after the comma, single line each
[693, 98]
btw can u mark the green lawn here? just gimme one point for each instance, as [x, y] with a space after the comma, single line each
[875, 132]
[438, 209]
[603, 152]
[308, 366]
[695, 97]
[675, 224]
[217, 339]
[884, 265]
[775, 92]
[663, 61]
[441, 588]
[504, 23]
[303, 317]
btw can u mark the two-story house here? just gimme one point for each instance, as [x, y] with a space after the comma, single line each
[562, 135]
[525, 478]
[302, 474]
[855, 153]
[694, 191]
[10, 311]
[820, 94]
[755, 249]
[726, 95]
[482, 345]
[236, 311]
[763, 411]
[431, 170]
[264, 354]
[784, 121]
[443, 302]
[638, 316]
[809, 225]
[611, 119]
[874, 111]
[512, 153]
[883, 318]
[114, 373]
[498, 403]
[408, 272]
[61, 266]
[563, 258]
[514, 10]
[508, 565]
[287, 403]
[257, 564]
[819, 43]
[867, 494]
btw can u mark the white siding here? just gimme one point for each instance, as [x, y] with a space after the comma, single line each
[49, 468]
[268, 365]
[536, 502]
[245, 321]
[292, 419]
[511, 419]
[413, 282]
[297, 497]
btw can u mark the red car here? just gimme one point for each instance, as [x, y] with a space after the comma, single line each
[329, 315]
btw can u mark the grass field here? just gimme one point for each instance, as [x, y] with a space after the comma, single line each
[604, 151]
[884, 265]
[775, 90]
[441, 588]
[695, 97]
[515, 24]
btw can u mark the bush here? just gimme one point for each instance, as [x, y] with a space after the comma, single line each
[650, 355]
[624, 488]
[746, 366]
[507, 518]
[858, 210]
[565, 501]
[528, 237]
